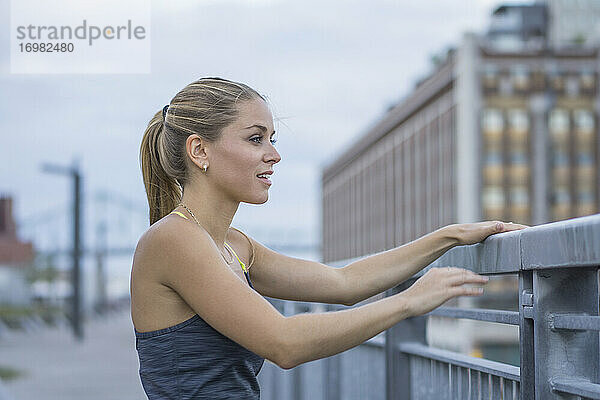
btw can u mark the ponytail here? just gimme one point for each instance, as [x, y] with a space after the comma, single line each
[163, 192]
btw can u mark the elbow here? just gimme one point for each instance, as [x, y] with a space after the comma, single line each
[346, 292]
[286, 355]
[285, 359]
[349, 302]
[286, 364]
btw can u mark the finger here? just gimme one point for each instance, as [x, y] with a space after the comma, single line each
[472, 291]
[468, 277]
[454, 272]
[466, 291]
[496, 226]
[500, 226]
[513, 227]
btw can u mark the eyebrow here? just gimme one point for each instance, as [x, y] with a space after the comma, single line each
[262, 128]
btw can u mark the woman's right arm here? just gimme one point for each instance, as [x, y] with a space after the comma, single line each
[314, 336]
[189, 262]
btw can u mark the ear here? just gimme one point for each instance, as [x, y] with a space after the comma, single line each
[196, 149]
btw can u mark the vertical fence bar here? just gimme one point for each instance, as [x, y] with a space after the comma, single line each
[397, 376]
[332, 368]
[297, 382]
[526, 336]
[561, 352]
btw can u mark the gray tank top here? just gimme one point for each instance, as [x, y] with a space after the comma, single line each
[191, 360]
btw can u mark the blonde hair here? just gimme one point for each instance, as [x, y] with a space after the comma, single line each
[204, 108]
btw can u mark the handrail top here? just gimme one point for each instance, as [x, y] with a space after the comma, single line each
[562, 244]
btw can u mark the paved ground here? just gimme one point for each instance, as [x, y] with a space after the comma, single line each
[57, 367]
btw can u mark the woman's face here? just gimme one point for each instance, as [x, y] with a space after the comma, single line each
[245, 150]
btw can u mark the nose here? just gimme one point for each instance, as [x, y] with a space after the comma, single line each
[273, 155]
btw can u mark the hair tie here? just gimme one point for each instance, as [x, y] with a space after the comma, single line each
[165, 111]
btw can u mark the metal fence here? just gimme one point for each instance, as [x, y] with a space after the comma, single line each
[557, 265]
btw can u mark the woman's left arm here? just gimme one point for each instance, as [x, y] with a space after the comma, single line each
[376, 273]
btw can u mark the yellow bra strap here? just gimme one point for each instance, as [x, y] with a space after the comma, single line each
[233, 251]
[178, 213]
[236, 256]
[251, 244]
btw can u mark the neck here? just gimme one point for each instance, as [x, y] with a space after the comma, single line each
[213, 210]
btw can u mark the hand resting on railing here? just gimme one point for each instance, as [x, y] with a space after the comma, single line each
[439, 285]
[479, 231]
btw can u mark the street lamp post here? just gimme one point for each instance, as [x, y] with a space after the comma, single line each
[74, 173]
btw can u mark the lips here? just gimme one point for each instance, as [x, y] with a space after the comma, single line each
[265, 180]
[264, 176]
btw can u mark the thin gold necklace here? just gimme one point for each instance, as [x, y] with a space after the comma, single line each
[193, 216]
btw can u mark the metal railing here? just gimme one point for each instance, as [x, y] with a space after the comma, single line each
[557, 266]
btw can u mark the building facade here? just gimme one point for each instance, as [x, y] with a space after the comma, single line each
[15, 256]
[490, 135]
[496, 132]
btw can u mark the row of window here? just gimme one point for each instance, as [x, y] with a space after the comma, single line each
[562, 212]
[583, 158]
[519, 174]
[515, 157]
[493, 121]
[521, 78]
[495, 196]
[560, 122]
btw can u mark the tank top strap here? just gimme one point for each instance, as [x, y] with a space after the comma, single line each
[178, 213]
[236, 256]
[242, 265]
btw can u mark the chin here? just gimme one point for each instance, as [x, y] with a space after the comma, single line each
[264, 200]
[259, 200]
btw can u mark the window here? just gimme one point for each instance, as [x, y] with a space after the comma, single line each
[585, 197]
[518, 121]
[519, 196]
[562, 195]
[558, 124]
[584, 120]
[490, 76]
[493, 197]
[520, 77]
[585, 158]
[493, 158]
[518, 157]
[587, 80]
[560, 159]
[557, 81]
[492, 120]
[492, 171]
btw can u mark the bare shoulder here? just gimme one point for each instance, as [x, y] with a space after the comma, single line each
[154, 304]
[161, 239]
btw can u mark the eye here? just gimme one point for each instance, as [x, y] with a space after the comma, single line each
[273, 141]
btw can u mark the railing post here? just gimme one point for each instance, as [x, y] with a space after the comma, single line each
[526, 335]
[397, 377]
[564, 353]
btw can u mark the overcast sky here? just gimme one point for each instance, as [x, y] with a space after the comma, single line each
[329, 68]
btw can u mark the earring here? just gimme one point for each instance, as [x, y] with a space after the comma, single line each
[205, 166]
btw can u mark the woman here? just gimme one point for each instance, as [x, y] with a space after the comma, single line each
[202, 326]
